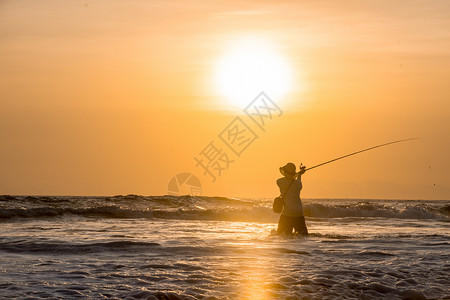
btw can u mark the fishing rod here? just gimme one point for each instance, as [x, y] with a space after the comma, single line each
[378, 146]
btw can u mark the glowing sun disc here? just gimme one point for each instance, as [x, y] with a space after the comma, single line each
[249, 67]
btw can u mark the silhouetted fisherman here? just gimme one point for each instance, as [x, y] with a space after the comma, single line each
[292, 215]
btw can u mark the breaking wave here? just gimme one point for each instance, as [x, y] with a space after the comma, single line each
[211, 208]
[68, 248]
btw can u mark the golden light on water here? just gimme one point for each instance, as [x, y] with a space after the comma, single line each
[255, 273]
[251, 65]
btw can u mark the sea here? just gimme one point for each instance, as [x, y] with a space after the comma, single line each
[186, 247]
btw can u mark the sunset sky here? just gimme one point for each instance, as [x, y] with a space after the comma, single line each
[117, 97]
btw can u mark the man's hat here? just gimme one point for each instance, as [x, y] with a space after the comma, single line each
[288, 169]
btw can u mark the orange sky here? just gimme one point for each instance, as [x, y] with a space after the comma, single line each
[116, 97]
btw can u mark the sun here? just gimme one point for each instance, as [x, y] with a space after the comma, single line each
[250, 66]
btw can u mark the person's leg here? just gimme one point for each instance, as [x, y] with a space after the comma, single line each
[300, 226]
[285, 225]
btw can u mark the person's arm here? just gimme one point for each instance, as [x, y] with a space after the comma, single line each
[279, 185]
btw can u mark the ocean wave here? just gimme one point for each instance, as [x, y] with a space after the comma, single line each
[364, 210]
[69, 248]
[105, 211]
[210, 208]
[255, 214]
[123, 246]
